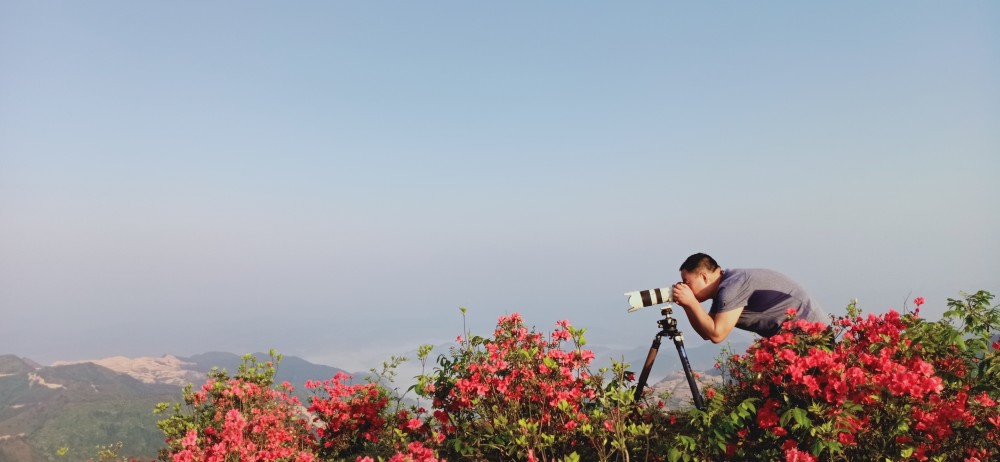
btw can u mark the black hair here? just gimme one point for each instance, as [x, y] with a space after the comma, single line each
[699, 261]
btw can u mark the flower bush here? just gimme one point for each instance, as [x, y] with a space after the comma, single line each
[522, 395]
[243, 417]
[879, 387]
[355, 422]
[247, 418]
[895, 387]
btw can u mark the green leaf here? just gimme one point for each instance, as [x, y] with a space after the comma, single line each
[800, 416]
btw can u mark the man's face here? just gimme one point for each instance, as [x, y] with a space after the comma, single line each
[698, 282]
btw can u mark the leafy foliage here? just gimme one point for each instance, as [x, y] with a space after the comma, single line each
[886, 387]
[524, 395]
[895, 387]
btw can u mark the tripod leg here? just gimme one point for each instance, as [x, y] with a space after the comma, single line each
[699, 402]
[646, 368]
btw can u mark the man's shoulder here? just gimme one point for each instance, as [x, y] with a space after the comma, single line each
[734, 290]
[751, 277]
[752, 271]
[757, 273]
[736, 275]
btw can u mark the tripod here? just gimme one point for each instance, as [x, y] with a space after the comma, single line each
[668, 326]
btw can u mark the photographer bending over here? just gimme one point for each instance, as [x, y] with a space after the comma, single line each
[751, 299]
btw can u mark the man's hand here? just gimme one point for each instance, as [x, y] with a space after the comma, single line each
[683, 295]
[710, 327]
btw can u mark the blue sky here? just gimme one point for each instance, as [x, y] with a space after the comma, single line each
[334, 179]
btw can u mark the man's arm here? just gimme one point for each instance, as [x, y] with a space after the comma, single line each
[710, 327]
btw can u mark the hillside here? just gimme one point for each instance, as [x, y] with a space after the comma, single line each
[166, 369]
[76, 406]
[80, 405]
[675, 384]
[10, 364]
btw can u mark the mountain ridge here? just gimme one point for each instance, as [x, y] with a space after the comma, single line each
[82, 404]
[12, 364]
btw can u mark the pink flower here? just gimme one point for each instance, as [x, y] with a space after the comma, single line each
[414, 424]
[794, 455]
[918, 301]
[190, 439]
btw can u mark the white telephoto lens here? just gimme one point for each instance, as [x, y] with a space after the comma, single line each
[643, 298]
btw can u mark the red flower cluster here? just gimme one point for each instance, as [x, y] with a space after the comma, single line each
[855, 370]
[876, 369]
[520, 384]
[522, 367]
[794, 455]
[415, 452]
[246, 418]
[245, 421]
[347, 413]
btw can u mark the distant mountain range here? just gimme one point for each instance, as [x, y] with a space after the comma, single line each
[80, 405]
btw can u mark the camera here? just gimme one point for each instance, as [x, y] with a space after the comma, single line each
[643, 298]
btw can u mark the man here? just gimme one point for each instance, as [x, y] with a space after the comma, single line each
[750, 299]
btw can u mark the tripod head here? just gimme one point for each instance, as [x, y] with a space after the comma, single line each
[668, 324]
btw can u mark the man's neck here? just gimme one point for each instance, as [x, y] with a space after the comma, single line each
[714, 284]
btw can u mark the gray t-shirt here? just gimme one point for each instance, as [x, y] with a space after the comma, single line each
[764, 295]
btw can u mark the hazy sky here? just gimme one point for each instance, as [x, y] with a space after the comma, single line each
[334, 179]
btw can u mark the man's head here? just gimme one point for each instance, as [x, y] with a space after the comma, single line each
[702, 274]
